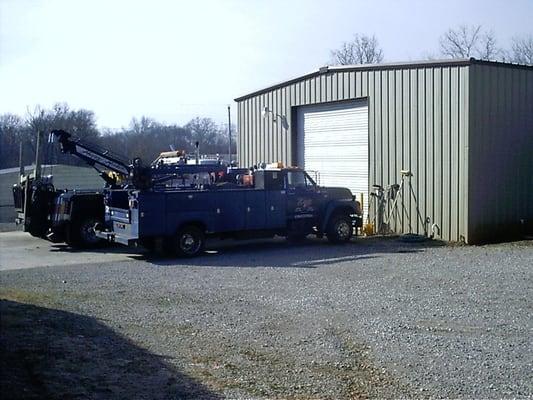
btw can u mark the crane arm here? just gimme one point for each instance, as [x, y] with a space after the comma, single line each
[91, 154]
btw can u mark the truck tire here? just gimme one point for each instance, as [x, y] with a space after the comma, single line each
[339, 229]
[81, 233]
[190, 241]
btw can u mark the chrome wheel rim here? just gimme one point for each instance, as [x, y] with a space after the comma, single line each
[188, 244]
[87, 232]
[343, 230]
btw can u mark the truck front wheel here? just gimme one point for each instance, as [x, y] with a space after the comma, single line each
[190, 241]
[339, 228]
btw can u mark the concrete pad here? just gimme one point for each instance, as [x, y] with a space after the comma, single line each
[20, 250]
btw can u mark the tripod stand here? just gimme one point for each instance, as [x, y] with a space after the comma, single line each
[379, 207]
[405, 175]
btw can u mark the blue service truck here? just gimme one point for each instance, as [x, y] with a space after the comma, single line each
[263, 203]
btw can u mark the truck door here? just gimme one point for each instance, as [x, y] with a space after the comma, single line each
[302, 196]
[275, 204]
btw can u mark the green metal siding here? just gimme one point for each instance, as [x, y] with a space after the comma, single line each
[501, 153]
[418, 120]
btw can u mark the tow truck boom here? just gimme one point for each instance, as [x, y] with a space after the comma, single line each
[92, 155]
[140, 176]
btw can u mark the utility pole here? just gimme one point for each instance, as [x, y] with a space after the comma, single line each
[229, 134]
[21, 160]
[37, 173]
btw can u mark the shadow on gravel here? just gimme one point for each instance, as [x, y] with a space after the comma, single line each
[278, 253]
[52, 354]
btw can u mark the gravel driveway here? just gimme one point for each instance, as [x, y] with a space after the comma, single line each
[375, 318]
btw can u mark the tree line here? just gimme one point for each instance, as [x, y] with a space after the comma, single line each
[463, 41]
[144, 137]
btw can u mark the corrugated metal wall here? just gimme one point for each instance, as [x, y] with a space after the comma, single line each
[501, 152]
[418, 120]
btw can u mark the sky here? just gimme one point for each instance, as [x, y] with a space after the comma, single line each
[175, 60]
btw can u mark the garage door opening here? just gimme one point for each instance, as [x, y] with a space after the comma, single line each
[332, 142]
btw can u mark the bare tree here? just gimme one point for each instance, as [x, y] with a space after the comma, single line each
[469, 41]
[81, 123]
[11, 130]
[362, 49]
[144, 125]
[207, 132]
[487, 49]
[522, 50]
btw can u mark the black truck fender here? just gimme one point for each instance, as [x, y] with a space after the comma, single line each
[200, 219]
[85, 209]
[197, 222]
[333, 207]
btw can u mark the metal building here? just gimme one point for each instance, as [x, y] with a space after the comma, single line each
[464, 128]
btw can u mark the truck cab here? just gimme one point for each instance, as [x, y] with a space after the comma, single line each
[260, 203]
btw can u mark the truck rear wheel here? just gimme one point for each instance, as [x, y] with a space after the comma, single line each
[82, 234]
[190, 241]
[339, 228]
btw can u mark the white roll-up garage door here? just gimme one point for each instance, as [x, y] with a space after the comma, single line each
[332, 140]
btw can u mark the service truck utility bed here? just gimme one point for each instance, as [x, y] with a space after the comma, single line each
[282, 202]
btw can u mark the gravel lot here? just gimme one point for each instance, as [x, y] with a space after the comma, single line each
[375, 318]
